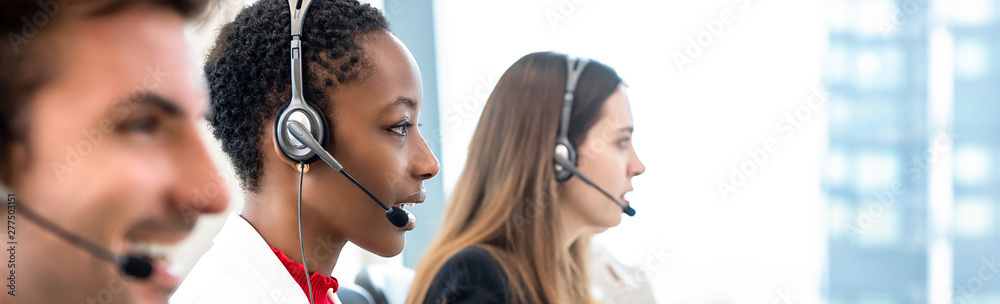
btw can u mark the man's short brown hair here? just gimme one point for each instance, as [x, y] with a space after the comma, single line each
[23, 58]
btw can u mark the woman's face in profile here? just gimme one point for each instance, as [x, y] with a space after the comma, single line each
[375, 137]
[607, 157]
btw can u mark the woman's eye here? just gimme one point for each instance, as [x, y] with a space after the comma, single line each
[400, 129]
[623, 142]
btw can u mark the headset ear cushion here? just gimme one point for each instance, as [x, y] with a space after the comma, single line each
[322, 122]
[325, 124]
[278, 128]
[567, 152]
[562, 175]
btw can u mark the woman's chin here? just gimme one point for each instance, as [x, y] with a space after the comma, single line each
[384, 246]
[606, 223]
[387, 252]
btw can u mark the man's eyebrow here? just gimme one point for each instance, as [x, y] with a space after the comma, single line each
[153, 100]
[629, 129]
[408, 102]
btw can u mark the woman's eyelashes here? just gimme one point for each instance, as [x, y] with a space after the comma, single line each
[401, 129]
[624, 141]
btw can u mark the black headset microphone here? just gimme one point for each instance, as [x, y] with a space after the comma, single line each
[564, 159]
[131, 265]
[568, 166]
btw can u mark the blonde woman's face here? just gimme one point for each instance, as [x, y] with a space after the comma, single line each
[606, 156]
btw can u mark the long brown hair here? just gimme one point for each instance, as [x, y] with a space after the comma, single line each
[504, 199]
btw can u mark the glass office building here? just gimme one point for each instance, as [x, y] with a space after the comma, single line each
[911, 171]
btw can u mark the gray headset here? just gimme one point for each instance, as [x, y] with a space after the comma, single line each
[564, 148]
[564, 160]
[298, 108]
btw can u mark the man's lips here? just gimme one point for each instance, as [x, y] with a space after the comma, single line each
[158, 241]
[170, 230]
[157, 287]
[152, 250]
[162, 281]
[157, 237]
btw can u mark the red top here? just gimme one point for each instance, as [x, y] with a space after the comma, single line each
[320, 283]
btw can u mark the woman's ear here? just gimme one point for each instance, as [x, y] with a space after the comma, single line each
[277, 150]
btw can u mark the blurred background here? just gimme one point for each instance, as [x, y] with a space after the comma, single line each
[797, 151]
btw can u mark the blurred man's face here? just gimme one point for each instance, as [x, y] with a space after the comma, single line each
[113, 155]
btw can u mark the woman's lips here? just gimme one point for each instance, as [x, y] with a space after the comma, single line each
[412, 220]
[625, 200]
[412, 200]
[411, 223]
[416, 197]
[409, 204]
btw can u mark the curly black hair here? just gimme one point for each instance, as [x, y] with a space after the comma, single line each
[249, 71]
